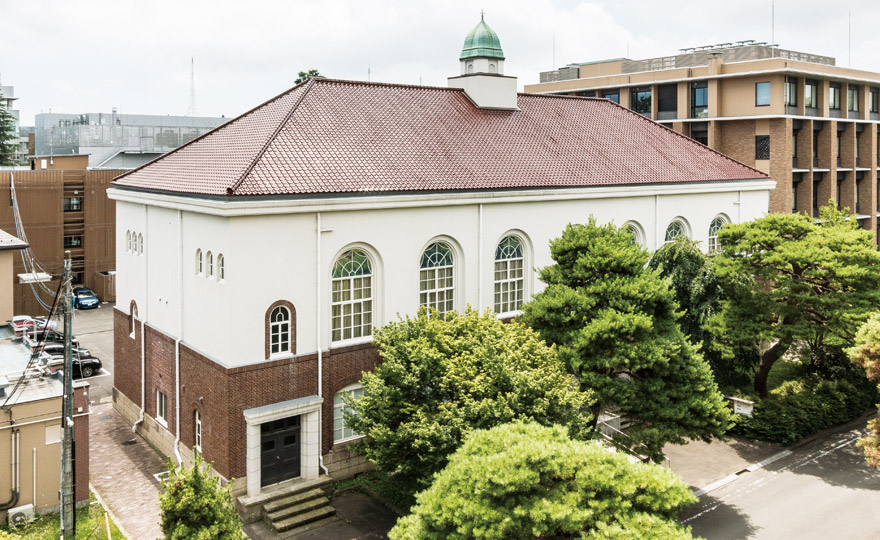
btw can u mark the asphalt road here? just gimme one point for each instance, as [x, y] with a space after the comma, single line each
[94, 328]
[822, 491]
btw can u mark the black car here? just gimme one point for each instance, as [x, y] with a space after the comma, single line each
[50, 336]
[84, 364]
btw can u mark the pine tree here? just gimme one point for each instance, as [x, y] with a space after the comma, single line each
[8, 136]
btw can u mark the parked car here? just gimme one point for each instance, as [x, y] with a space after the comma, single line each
[23, 322]
[85, 298]
[50, 336]
[42, 322]
[56, 348]
[82, 367]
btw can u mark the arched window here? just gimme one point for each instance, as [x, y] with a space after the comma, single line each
[128, 241]
[675, 229]
[470, 67]
[132, 316]
[279, 331]
[508, 275]
[491, 68]
[435, 278]
[636, 231]
[221, 267]
[140, 244]
[199, 262]
[351, 307]
[197, 423]
[209, 258]
[341, 431]
[714, 227]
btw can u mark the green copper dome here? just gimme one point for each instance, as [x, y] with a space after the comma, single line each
[482, 42]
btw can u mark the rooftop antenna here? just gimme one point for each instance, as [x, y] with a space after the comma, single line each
[192, 87]
[368, 69]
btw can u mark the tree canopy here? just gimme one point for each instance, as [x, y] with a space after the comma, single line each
[615, 324]
[8, 136]
[523, 480]
[788, 279]
[195, 507]
[303, 76]
[865, 353]
[441, 378]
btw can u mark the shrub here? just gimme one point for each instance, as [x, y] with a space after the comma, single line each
[805, 406]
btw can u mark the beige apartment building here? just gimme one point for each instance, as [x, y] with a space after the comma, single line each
[810, 125]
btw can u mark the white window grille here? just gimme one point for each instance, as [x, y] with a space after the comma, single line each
[436, 287]
[352, 296]
[161, 408]
[508, 275]
[199, 262]
[198, 434]
[279, 330]
[675, 229]
[716, 225]
[341, 431]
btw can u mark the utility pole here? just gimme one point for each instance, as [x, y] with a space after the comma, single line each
[68, 482]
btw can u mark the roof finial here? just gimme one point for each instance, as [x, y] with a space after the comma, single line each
[482, 13]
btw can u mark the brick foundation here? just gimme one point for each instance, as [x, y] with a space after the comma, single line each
[221, 394]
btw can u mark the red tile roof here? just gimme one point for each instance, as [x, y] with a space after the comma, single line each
[331, 136]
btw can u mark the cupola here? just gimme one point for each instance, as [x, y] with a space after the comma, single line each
[482, 70]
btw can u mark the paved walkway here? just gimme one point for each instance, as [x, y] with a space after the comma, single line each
[699, 463]
[122, 466]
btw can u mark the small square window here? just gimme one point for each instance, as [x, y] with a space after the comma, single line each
[762, 147]
[762, 94]
[161, 408]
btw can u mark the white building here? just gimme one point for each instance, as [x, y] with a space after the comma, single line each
[254, 262]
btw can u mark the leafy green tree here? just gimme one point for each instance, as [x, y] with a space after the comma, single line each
[441, 378]
[523, 480]
[788, 279]
[303, 76]
[8, 136]
[195, 507]
[866, 354]
[615, 324]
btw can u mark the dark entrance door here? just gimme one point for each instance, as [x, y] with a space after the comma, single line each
[279, 443]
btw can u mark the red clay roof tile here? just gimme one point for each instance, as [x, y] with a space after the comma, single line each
[330, 136]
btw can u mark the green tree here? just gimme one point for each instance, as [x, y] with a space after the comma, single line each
[866, 353]
[303, 76]
[8, 136]
[523, 480]
[615, 323]
[440, 378]
[195, 507]
[788, 279]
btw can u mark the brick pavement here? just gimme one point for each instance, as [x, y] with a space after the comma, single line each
[122, 474]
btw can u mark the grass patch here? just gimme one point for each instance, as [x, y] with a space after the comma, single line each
[384, 485]
[89, 525]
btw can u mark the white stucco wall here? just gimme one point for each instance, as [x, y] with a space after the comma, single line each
[270, 251]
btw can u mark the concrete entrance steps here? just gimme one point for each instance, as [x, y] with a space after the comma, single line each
[297, 509]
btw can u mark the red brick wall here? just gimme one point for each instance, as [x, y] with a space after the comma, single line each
[221, 394]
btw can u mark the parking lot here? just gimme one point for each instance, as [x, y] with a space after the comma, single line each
[94, 329]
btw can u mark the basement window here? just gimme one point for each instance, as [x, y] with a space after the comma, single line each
[161, 408]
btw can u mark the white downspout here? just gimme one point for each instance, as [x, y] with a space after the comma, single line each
[140, 419]
[179, 336]
[318, 320]
[480, 261]
[35, 477]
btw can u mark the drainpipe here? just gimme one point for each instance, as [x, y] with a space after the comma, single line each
[179, 335]
[140, 420]
[480, 262]
[143, 339]
[318, 320]
[14, 442]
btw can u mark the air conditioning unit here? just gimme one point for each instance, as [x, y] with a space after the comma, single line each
[21, 515]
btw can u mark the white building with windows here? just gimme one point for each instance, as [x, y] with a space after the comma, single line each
[255, 261]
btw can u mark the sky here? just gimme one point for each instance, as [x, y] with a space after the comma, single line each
[91, 55]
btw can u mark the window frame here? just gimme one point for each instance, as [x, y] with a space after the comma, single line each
[430, 278]
[161, 408]
[140, 244]
[355, 391]
[697, 88]
[834, 96]
[811, 93]
[612, 95]
[633, 99]
[209, 265]
[128, 241]
[517, 281]
[350, 284]
[200, 262]
[852, 105]
[716, 225]
[221, 268]
[197, 431]
[759, 139]
[683, 230]
[758, 93]
[790, 92]
[874, 100]
[279, 345]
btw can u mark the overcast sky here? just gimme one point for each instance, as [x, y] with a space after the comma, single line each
[91, 55]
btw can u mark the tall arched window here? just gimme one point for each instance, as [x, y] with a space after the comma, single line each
[508, 275]
[714, 227]
[279, 331]
[436, 286]
[209, 258]
[199, 262]
[140, 244]
[197, 423]
[675, 229]
[221, 267]
[351, 307]
[636, 230]
[128, 241]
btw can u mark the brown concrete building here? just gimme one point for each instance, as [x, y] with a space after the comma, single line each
[61, 210]
[810, 125]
